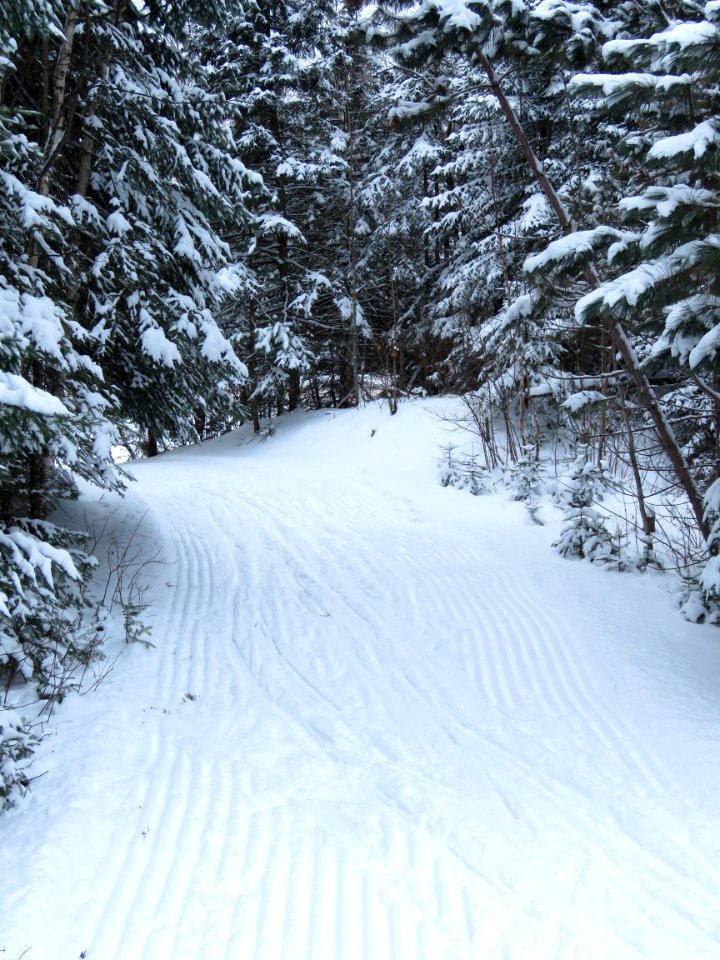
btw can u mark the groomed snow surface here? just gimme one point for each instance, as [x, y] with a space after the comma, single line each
[382, 721]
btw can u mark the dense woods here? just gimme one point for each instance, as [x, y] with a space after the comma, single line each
[212, 212]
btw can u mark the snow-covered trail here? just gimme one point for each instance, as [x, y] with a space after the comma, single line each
[382, 722]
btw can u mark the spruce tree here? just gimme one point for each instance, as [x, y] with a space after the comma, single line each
[115, 179]
[664, 272]
[585, 534]
[54, 425]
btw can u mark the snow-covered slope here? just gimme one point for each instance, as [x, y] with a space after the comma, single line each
[383, 721]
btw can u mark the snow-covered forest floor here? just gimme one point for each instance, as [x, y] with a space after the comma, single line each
[382, 720]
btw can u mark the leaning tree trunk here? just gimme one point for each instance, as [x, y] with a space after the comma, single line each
[621, 342]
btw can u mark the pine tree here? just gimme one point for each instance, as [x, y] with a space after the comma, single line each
[399, 262]
[54, 425]
[661, 264]
[665, 270]
[296, 72]
[161, 188]
[258, 64]
[115, 177]
[585, 534]
[490, 213]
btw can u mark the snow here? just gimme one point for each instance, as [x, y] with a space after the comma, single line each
[216, 347]
[423, 151]
[666, 200]
[536, 213]
[698, 140]
[83, 210]
[352, 312]
[156, 345]
[118, 224]
[681, 35]
[42, 322]
[381, 721]
[686, 34]
[232, 278]
[17, 392]
[629, 287]
[36, 318]
[411, 109]
[522, 306]
[579, 401]
[36, 207]
[707, 346]
[457, 13]
[612, 84]
[273, 223]
[583, 18]
[576, 245]
[184, 245]
[33, 554]
[419, 40]
[634, 284]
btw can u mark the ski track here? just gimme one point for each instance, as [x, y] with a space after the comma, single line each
[519, 639]
[365, 796]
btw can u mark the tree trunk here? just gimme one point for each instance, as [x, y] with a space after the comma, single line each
[647, 515]
[58, 119]
[293, 390]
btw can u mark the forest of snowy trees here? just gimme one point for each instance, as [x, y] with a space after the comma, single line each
[213, 211]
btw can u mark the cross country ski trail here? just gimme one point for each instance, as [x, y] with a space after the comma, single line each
[381, 722]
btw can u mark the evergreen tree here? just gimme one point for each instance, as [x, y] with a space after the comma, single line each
[399, 260]
[115, 176]
[258, 64]
[665, 270]
[53, 405]
[585, 534]
[490, 213]
[659, 255]
[297, 73]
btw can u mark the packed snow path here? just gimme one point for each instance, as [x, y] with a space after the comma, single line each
[382, 722]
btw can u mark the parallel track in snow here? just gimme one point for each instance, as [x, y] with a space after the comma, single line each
[267, 623]
[368, 739]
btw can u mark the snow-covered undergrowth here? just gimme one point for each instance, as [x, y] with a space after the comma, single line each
[382, 720]
[557, 469]
[83, 607]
